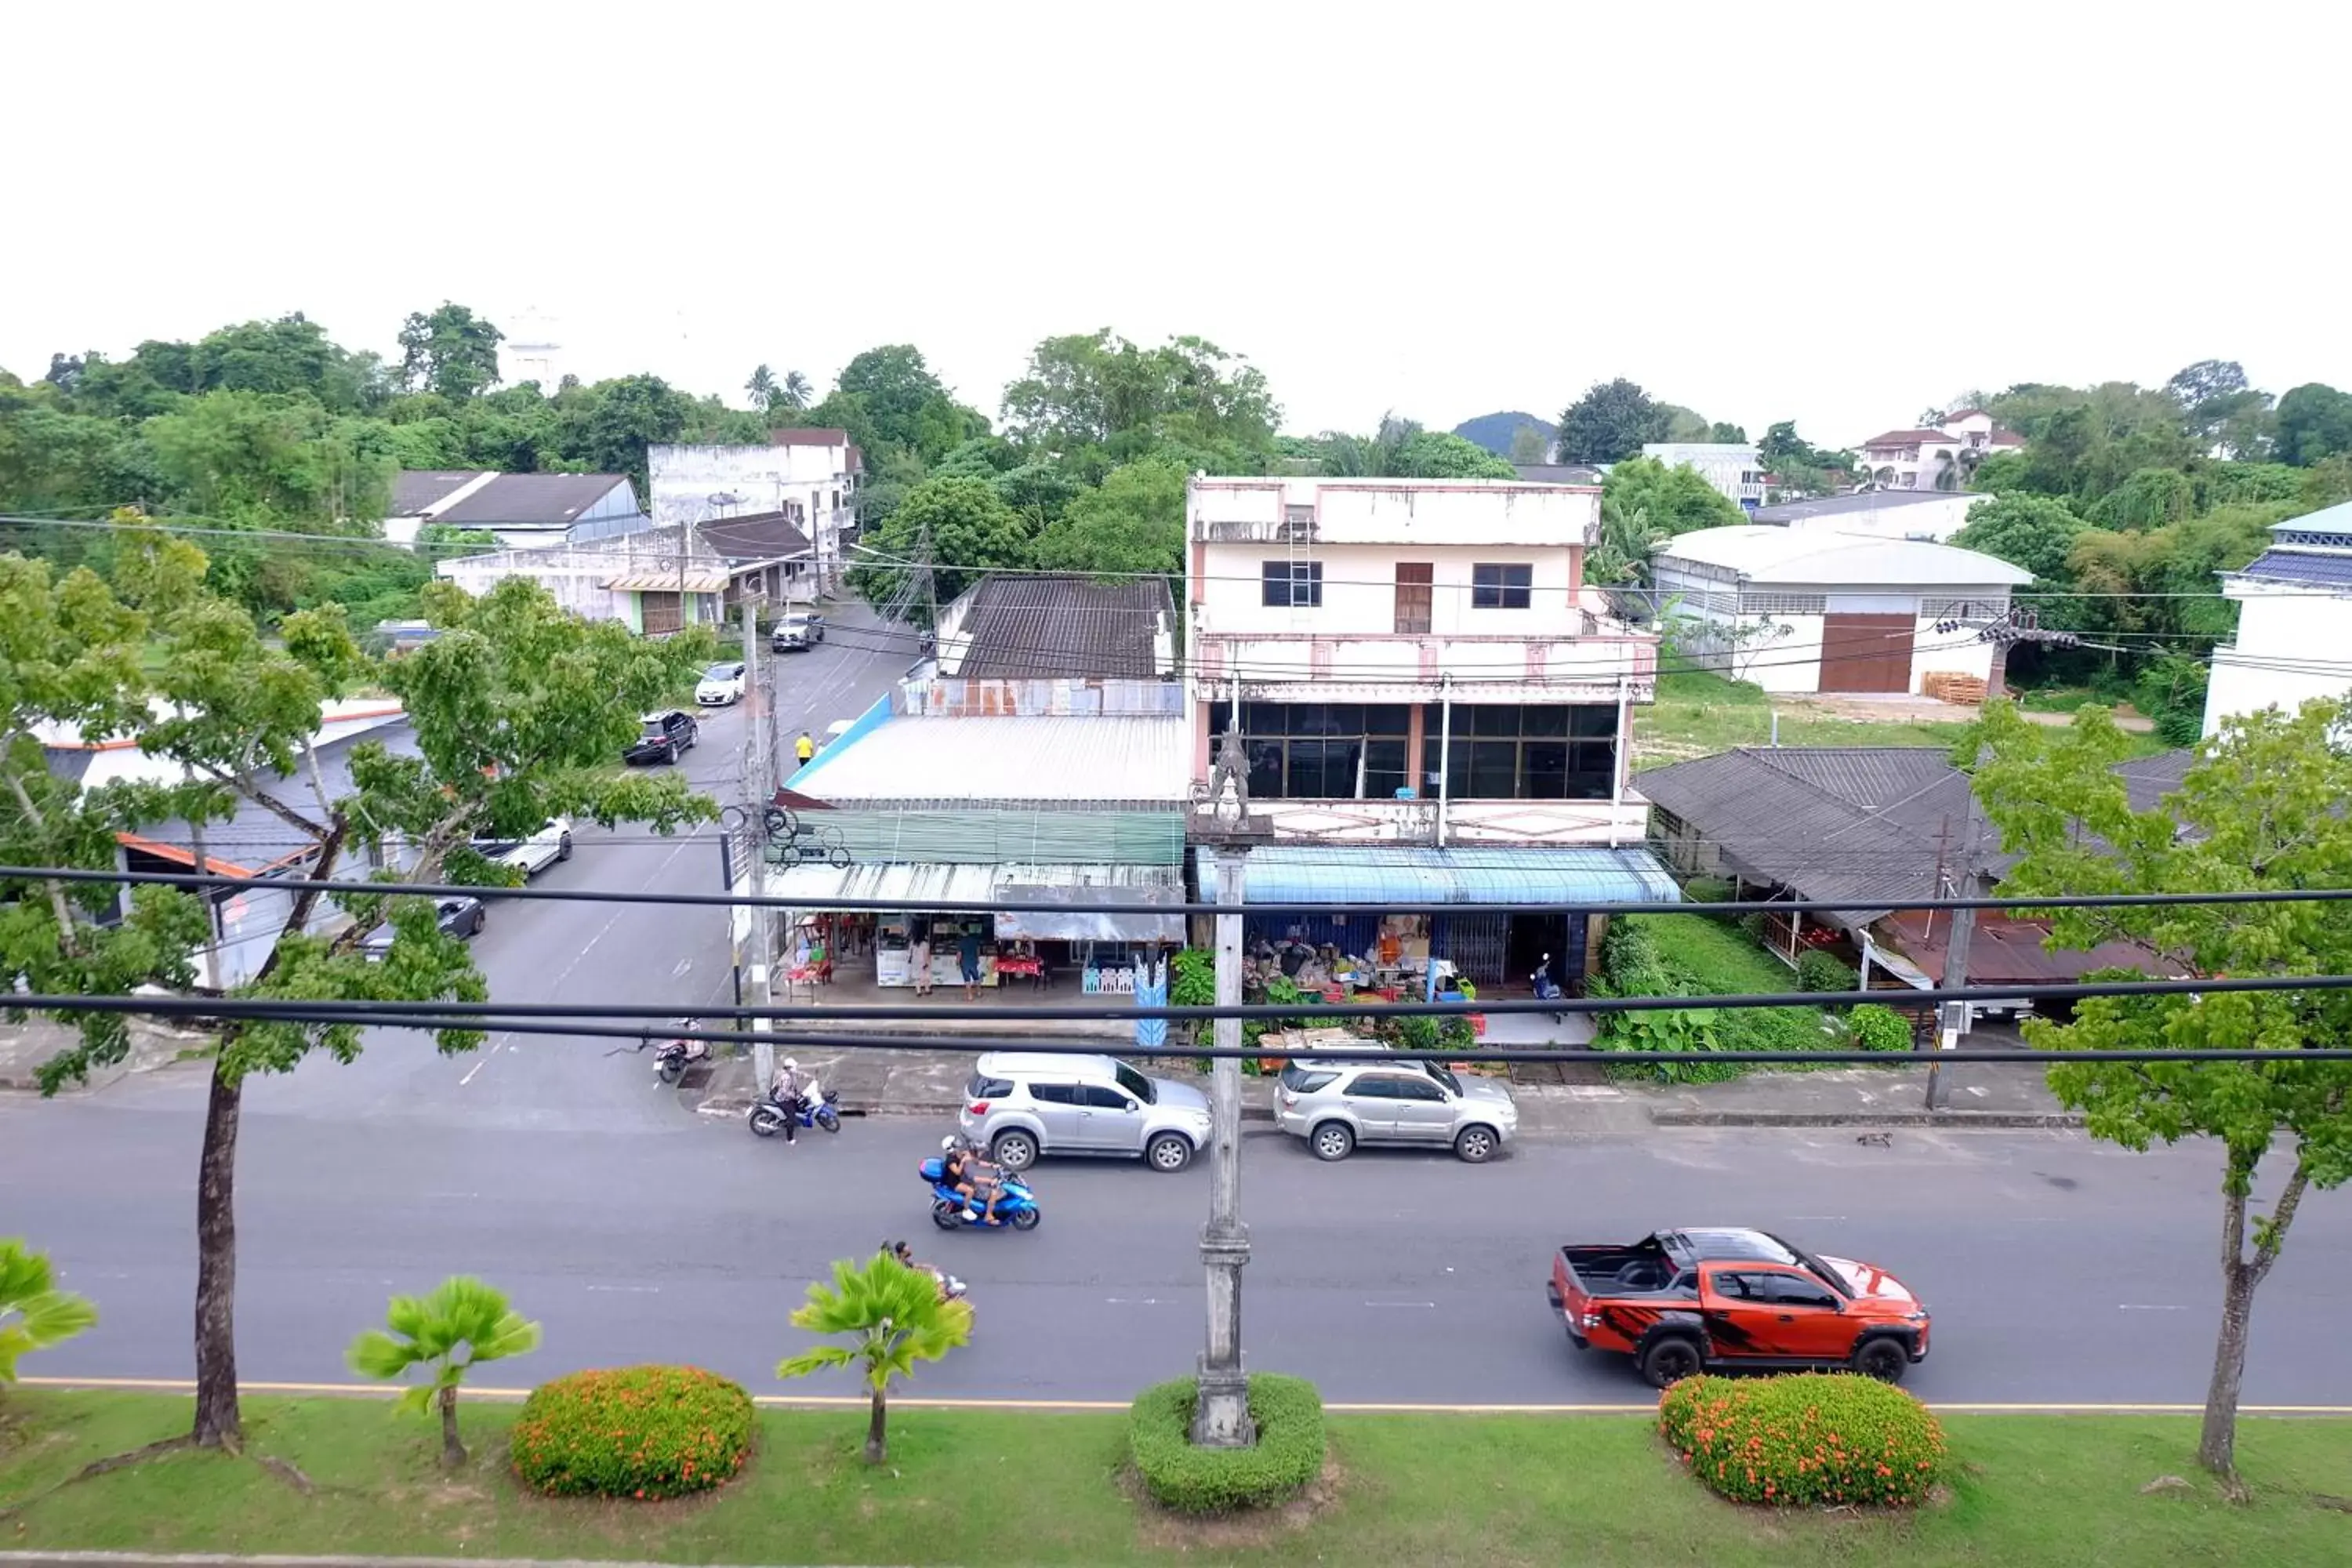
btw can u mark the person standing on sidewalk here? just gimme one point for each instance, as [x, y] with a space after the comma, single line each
[967, 956]
[918, 959]
[803, 749]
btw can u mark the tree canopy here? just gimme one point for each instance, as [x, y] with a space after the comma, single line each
[451, 352]
[1677, 500]
[1611, 423]
[1095, 399]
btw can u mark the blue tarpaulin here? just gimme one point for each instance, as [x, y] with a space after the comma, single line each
[1405, 877]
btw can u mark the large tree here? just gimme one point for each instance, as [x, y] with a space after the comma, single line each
[905, 406]
[2261, 808]
[1434, 455]
[517, 708]
[450, 352]
[608, 426]
[1610, 422]
[2031, 531]
[941, 540]
[1097, 389]
[1133, 523]
[1677, 500]
[2314, 423]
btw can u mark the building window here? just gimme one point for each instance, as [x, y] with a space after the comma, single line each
[1293, 584]
[1325, 750]
[1515, 751]
[1501, 588]
[1762, 604]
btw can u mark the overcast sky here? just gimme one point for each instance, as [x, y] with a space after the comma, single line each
[1836, 213]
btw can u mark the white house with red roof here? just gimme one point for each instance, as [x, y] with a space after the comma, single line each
[1938, 456]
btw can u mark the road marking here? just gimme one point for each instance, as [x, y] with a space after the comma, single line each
[1133, 1301]
[1430, 1304]
[860, 1402]
[479, 1064]
[1808, 1218]
[2138, 1307]
[630, 1289]
[682, 966]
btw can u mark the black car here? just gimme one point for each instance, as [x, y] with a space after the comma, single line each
[665, 735]
[459, 918]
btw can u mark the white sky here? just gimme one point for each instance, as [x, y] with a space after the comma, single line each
[1838, 213]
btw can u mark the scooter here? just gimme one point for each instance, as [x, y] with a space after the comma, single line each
[675, 1056]
[820, 1108]
[1016, 1205]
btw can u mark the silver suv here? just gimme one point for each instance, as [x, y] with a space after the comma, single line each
[1020, 1105]
[1336, 1105]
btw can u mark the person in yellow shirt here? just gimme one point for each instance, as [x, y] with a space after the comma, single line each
[804, 748]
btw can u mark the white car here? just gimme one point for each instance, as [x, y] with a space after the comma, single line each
[535, 854]
[721, 684]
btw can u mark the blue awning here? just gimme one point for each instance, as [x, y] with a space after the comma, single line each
[1406, 877]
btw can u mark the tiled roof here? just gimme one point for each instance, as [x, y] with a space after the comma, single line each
[2311, 567]
[1021, 627]
[755, 536]
[2147, 779]
[413, 490]
[808, 436]
[1907, 438]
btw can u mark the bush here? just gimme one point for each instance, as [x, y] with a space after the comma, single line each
[632, 1432]
[1877, 1028]
[1288, 1454]
[1820, 971]
[1708, 889]
[1805, 1440]
[1752, 926]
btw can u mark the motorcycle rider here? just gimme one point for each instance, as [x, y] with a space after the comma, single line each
[904, 1256]
[787, 1091]
[966, 1172]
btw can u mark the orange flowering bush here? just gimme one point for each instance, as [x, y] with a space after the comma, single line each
[1807, 1440]
[632, 1432]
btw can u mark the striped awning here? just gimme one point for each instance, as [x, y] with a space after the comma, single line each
[669, 582]
[1406, 877]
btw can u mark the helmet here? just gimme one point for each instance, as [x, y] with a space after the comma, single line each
[948, 1142]
[789, 1065]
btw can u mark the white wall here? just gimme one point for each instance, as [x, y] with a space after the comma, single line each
[1359, 590]
[762, 478]
[2237, 688]
[2279, 623]
[1414, 512]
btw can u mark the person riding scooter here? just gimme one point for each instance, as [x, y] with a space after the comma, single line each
[787, 1091]
[905, 1256]
[965, 1173]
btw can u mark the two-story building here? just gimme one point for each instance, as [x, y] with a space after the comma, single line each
[2294, 599]
[1934, 458]
[1736, 471]
[808, 476]
[1433, 707]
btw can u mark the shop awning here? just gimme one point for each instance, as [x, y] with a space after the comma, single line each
[1406, 877]
[907, 885]
[1145, 886]
[669, 582]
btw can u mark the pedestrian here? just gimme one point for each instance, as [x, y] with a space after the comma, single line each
[919, 958]
[803, 749]
[968, 952]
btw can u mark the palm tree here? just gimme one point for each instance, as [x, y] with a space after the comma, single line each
[33, 1315]
[1621, 554]
[796, 392]
[429, 1331]
[893, 1317]
[764, 388]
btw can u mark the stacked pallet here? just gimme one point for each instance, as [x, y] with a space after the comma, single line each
[1950, 686]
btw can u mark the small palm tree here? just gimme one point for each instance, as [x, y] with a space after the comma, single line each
[33, 1314]
[795, 392]
[763, 388]
[893, 1317]
[462, 1314]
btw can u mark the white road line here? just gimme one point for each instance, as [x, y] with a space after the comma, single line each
[2138, 1307]
[1133, 1301]
[1423, 1304]
[680, 967]
[629, 1289]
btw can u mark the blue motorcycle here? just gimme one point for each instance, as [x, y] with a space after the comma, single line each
[1016, 1205]
[820, 1109]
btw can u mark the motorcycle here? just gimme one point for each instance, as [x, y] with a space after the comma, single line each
[820, 1108]
[675, 1056]
[1016, 1205]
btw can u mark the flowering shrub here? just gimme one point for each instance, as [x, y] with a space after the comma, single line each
[1814, 1438]
[632, 1432]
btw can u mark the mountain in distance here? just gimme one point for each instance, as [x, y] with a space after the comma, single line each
[1495, 431]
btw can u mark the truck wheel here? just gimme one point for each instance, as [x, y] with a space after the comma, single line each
[1884, 1357]
[1670, 1360]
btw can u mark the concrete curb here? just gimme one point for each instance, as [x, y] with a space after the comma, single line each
[1661, 1117]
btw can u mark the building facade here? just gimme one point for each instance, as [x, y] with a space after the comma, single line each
[1736, 471]
[2295, 603]
[808, 476]
[525, 511]
[1934, 458]
[1932, 515]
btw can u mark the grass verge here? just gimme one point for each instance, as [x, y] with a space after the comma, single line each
[1699, 714]
[978, 1487]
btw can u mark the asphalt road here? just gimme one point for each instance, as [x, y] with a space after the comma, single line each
[2059, 1270]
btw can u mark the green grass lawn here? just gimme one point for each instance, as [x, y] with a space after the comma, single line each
[1699, 714]
[979, 1488]
[1718, 954]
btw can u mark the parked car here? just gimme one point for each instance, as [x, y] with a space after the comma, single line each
[1021, 1105]
[796, 631]
[1336, 1105]
[1680, 1301]
[665, 735]
[534, 854]
[460, 918]
[722, 683]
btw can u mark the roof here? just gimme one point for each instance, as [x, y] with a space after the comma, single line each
[754, 536]
[2308, 567]
[1712, 1244]
[414, 490]
[1018, 627]
[1956, 414]
[1100, 760]
[2326, 519]
[808, 436]
[1412, 877]
[548, 501]
[2147, 779]
[918, 883]
[2008, 950]
[2000, 437]
[1769, 553]
[1908, 437]
[1557, 473]
[1865, 502]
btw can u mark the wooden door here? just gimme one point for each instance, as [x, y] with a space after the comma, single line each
[659, 612]
[1412, 596]
[1866, 653]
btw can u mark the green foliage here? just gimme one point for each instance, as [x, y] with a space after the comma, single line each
[1680, 955]
[1434, 456]
[1611, 423]
[1096, 399]
[1677, 500]
[893, 1317]
[461, 1314]
[1287, 1456]
[33, 1314]
[1877, 1028]
[640, 1433]
[450, 352]
[2031, 531]
[1193, 978]
[1133, 523]
[1820, 971]
[963, 522]
[899, 404]
[1709, 889]
[2314, 423]
[1811, 1440]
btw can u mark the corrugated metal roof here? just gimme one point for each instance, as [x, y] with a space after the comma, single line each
[915, 884]
[1765, 554]
[1109, 760]
[994, 837]
[2307, 566]
[549, 499]
[1864, 503]
[1410, 876]
[1146, 885]
[1055, 625]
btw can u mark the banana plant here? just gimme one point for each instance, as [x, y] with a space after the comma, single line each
[463, 1315]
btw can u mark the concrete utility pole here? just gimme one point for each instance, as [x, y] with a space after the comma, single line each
[760, 783]
[1966, 882]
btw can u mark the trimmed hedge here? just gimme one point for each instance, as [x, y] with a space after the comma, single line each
[1877, 1028]
[632, 1432]
[1804, 1440]
[1820, 971]
[1288, 1454]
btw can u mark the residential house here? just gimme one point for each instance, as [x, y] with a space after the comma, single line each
[1934, 458]
[1429, 702]
[256, 846]
[651, 582]
[1806, 609]
[2295, 603]
[1883, 826]
[1931, 515]
[1038, 625]
[1734, 469]
[526, 511]
[808, 476]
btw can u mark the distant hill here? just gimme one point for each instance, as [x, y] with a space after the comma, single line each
[1493, 431]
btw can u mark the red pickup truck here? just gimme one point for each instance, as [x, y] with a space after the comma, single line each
[1681, 1302]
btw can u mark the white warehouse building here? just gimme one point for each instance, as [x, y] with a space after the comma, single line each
[1807, 610]
[2292, 643]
